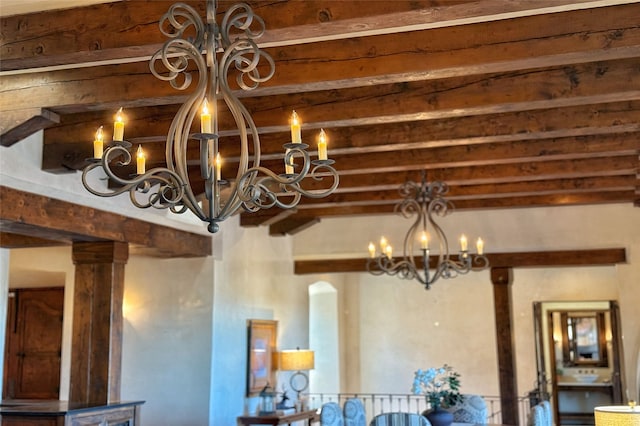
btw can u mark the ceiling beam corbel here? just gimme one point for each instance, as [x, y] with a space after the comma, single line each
[20, 124]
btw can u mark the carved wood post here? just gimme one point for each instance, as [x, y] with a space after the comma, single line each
[501, 279]
[97, 321]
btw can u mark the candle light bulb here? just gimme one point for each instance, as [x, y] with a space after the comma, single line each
[98, 144]
[322, 145]
[205, 118]
[218, 167]
[424, 240]
[383, 244]
[118, 126]
[295, 128]
[463, 243]
[140, 161]
[480, 246]
[288, 163]
[372, 250]
[388, 250]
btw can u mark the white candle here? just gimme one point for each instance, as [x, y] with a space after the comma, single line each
[288, 165]
[295, 128]
[463, 243]
[140, 161]
[372, 250]
[118, 127]
[480, 246]
[383, 244]
[205, 118]
[322, 145]
[424, 241]
[98, 144]
[218, 167]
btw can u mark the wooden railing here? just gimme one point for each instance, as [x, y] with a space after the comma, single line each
[376, 403]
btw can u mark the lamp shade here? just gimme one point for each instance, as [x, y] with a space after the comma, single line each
[295, 360]
[617, 416]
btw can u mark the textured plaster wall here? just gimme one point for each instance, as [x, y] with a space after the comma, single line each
[254, 280]
[166, 334]
[395, 326]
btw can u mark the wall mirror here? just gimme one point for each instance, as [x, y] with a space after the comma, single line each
[584, 339]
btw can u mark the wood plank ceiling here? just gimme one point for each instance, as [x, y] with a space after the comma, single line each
[513, 103]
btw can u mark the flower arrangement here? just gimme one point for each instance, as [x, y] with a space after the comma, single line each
[441, 386]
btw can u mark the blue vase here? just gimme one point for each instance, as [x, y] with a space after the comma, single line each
[439, 417]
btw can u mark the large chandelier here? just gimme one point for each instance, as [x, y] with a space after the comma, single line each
[214, 54]
[424, 200]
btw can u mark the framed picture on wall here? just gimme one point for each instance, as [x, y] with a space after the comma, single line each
[261, 337]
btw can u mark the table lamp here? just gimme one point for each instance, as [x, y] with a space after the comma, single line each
[297, 360]
[618, 415]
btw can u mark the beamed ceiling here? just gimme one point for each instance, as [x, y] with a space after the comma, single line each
[513, 103]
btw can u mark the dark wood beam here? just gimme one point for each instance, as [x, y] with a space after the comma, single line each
[550, 259]
[14, 241]
[502, 279]
[43, 217]
[96, 359]
[18, 125]
[298, 72]
[292, 226]
[28, 43]
[149, 127]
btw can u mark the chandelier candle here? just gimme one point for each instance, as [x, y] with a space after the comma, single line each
[205, 118]
[118, 127]
[322, 145]
[218, 167]
[140, 161]
[98, 144]
[296, 136]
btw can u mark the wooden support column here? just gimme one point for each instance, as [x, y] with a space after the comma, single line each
[501, 279]
[96, 356]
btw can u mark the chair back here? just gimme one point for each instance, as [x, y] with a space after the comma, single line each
[472, 409]
[548, 415]
[354, 414]
[399, 419]
[537, 417]
[331, 415]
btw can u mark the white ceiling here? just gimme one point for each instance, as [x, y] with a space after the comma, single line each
[17, 7]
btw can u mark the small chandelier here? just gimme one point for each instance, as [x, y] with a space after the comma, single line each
[424, 200]
[212, 52]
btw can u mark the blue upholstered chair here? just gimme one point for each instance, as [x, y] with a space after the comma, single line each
[537, 416]
[548, 415]
[331, 414]
[399, 419]
[354, 414]
[473, 409]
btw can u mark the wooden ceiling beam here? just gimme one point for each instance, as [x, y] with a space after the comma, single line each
[25, 122]
[30, 43]
[13, 241]
[43, 217]
[538, 259]
[488, 191]
[151, 124]
[292, 226]
[297, 71]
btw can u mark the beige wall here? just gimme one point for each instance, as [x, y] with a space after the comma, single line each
[396, 327]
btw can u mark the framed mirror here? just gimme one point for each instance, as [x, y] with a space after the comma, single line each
[584, 339]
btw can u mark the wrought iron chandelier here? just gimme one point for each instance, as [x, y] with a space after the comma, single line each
[424, 200]
[214, 53]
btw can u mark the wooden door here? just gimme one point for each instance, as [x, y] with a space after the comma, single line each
[33, 344]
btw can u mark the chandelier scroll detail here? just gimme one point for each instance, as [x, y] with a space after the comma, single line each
[206, 55]
[424, 201]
